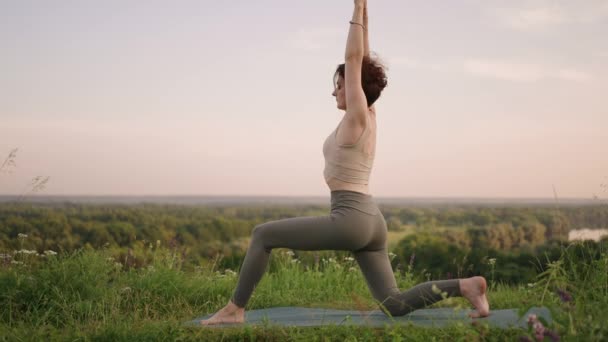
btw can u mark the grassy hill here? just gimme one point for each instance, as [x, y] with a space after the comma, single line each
[89, 295]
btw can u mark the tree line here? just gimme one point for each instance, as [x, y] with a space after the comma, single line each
[447, 240]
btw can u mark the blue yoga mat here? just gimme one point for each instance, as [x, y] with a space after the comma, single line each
[441, 317]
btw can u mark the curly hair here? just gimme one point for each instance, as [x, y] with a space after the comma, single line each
[373, 78]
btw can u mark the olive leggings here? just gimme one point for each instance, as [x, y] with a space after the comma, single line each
[355, 224]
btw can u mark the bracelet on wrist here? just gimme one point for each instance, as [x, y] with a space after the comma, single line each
[356, 23]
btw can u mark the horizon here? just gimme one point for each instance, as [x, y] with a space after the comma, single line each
[211, 200]
[284, 195]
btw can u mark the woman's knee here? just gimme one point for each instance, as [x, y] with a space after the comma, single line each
[395, 309]
[260, 233]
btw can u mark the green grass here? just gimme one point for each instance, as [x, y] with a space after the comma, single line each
[87, 295]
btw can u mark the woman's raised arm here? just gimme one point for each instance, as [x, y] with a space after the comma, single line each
[365, 31]
[354, 43]
[356, 103]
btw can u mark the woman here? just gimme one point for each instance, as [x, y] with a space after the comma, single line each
[355, 222]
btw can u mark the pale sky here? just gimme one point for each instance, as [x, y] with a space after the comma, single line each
[485, 98]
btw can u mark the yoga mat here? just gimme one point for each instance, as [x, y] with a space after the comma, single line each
[441, 317]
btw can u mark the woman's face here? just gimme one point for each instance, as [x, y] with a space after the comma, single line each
[339, 93]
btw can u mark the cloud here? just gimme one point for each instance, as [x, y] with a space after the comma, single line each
[504, 70]
[406, 62]
[314, 39]
[419, 64]
[541, 15]
[507, 70]
[522, 72]
[533, 18]
[573, 75]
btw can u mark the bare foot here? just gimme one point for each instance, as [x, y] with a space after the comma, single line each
[474, 289]
[230, 313]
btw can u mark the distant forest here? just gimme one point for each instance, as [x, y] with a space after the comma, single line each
[469, 235]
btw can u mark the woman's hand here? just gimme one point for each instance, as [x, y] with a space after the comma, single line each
[362, 3]
[365, 34]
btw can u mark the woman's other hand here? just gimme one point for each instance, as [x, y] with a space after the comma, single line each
[362, 3]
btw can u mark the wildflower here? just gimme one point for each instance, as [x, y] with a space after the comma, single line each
[564, 296]
[531, 284]
[25, 251]
[352, 269]
[539, 330]
[50, 252]
[22, 236]
[553, 335]
[349, 258]
[537, 327]
[438, 291]
[392, 255]
[492, 261]
[5, 256]
[295, 261]
[229, 272]
[435, 289]
[15, 262]
[290, 253]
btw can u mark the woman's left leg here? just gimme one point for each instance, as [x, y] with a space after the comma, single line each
[330, 232]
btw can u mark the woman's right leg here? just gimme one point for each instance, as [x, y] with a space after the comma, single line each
[378, 273]
[377, 270]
